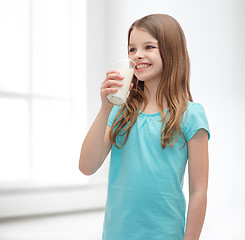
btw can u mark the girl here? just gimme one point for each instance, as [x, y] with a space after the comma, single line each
[150, 138]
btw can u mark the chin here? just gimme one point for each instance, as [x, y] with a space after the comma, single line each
[140, 78]
[143, 79]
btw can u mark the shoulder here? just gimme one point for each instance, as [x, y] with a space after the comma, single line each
[193, 109]
[115, 110]
[194, 118]
[194, 106]
[113, 114]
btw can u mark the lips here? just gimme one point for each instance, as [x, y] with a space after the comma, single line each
[142, 65]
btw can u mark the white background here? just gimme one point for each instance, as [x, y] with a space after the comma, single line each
[215, 36]
[215, 39]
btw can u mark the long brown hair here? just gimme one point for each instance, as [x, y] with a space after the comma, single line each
[174, 84]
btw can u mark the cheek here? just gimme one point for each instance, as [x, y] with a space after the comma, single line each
[161, 67]
[158, 65]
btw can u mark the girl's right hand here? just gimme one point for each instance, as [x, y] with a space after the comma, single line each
[108, 86]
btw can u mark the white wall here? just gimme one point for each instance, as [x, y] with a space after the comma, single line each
[96, 52]
[215, 38]
[96, 69]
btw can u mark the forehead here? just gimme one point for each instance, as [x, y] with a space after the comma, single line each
[139, 36]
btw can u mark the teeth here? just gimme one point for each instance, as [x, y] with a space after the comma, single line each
[142, 66]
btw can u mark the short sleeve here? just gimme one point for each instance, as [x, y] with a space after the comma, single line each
[112, 115]
[196, 119]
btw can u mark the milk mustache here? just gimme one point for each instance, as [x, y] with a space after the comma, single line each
[127, 71]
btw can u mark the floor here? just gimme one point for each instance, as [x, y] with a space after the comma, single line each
[79, 226]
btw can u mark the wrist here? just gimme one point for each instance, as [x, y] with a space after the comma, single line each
[106, 109]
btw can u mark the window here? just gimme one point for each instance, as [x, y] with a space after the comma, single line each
[42, 91]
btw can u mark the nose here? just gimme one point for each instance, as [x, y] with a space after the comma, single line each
[139, 54]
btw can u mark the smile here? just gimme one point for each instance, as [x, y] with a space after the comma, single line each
[140, 66]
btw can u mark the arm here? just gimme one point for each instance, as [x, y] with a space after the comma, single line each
[97, 144]
[198, 184]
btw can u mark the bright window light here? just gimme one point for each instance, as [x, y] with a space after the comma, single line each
[42, 91]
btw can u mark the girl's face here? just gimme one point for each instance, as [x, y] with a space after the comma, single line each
[143, 49]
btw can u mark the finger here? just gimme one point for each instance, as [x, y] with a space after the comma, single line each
[110, 83]
[131, 86]
[112, 71]
[106, 91]
[115, 76]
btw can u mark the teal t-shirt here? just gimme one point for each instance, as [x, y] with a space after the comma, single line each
[144, 197]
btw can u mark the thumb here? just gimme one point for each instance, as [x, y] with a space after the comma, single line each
[131, 85]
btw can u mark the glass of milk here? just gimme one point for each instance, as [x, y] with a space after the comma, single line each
[126, 68]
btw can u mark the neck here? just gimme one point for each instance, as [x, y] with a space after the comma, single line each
[152, 89]
[151, 94]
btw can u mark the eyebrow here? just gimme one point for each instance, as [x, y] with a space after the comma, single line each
[150, 42]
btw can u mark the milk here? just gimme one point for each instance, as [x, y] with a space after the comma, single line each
[119, 98]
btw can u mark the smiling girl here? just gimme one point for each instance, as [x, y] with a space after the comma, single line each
[151, 138]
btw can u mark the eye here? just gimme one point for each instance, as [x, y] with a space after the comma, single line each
[149, 47]
[132, 50]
